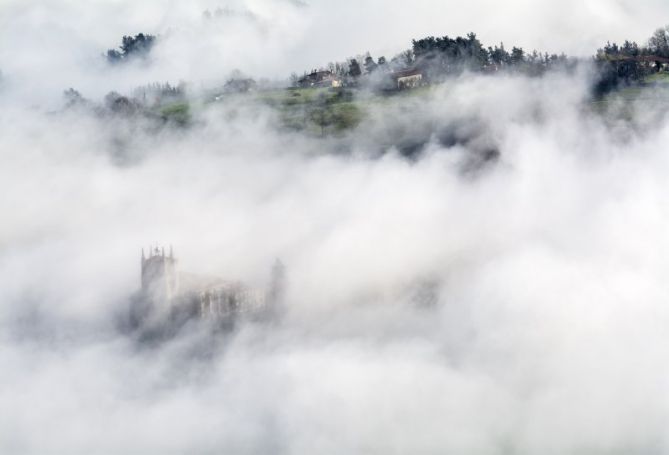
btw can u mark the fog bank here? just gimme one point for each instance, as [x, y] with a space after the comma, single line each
[447, 301]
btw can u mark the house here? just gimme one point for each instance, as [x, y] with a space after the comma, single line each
[322, 78]
[409, 78]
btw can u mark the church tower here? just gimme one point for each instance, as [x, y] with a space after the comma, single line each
[160, 281]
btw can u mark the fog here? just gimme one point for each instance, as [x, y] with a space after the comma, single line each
[442, 302]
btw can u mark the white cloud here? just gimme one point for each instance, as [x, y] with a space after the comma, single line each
[548, 265]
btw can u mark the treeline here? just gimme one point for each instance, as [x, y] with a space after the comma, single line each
[138, 46]
[443, 56]
[159, 102]
[439, 57]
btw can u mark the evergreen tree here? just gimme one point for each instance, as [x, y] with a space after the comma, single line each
[354, 68]
[370, 64]
[658, 44]
[138, 46]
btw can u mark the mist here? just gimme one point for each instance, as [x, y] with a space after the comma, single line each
[477, 270]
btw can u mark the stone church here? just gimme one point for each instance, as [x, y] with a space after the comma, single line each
[170, 298]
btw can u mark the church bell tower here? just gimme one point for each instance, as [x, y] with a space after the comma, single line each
[160, 280]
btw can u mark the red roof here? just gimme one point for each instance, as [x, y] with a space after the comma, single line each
[407, 73]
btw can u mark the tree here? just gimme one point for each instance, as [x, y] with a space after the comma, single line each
[114, 56]
[408, 57]
[517, 55]
[499, 55]
[294, 79]
[138, 46]
[630, 49]
[354, 68]
[370, 64]
[475, 54]
[118, 104]
[658, 44]
[73, 98]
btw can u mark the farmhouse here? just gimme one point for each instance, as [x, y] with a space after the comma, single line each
[410, 78]
[322, 78]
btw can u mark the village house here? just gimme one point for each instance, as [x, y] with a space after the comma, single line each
[322, 78]
[406, 79]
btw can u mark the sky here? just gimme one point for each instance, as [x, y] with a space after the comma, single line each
[544, 269]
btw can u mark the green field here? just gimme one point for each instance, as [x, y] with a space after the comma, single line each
[316, 111]
[658, 78]
[331, 112]
[639, 105]
[178, 113]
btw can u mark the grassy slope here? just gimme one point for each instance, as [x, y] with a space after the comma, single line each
[323, 111]
[639, 105]
[317, 111]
